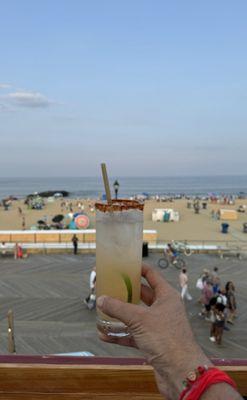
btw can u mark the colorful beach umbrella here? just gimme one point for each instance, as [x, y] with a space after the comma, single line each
[82, 221]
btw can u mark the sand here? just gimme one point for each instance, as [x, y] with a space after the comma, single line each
[190, 227]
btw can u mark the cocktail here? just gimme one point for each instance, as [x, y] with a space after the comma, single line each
[119, 236]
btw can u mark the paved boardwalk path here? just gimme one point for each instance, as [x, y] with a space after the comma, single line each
[45, 293]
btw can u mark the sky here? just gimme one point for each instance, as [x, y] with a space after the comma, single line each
[152, 88]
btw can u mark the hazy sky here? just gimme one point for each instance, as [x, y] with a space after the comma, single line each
[150, 87]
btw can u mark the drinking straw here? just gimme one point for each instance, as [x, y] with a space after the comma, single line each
[106, 183]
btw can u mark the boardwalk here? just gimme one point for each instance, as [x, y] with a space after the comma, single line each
[46, 291]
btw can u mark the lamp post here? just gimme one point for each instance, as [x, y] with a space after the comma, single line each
[116, 187]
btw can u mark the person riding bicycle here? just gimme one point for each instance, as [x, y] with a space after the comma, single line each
[172, 252]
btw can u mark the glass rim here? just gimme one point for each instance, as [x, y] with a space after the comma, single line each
[120, 205]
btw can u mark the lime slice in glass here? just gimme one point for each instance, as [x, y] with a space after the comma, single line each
[128, 285]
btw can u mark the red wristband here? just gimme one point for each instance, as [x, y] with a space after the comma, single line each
[202, 379]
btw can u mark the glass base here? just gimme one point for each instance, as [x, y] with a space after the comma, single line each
[112, 328]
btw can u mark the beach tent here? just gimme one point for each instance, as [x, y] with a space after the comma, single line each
[142, 196]
[165, 215]
[229, 215]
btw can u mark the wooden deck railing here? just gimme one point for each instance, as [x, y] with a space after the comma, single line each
[74, 378]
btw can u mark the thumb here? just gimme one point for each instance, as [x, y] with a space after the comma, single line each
[118, 309]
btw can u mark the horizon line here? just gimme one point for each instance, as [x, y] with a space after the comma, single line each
[125, 176]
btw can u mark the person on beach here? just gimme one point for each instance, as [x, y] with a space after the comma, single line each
[75, 243]
[183, 281]
[23, 223]
[161, 331]
[231, 302]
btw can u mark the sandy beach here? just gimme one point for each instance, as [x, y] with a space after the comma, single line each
[190, 226]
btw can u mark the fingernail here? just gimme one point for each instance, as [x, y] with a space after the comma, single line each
[100, 301]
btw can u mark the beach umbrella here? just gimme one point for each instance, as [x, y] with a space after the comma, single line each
[58, 218]
[76, 214]
[82, 221]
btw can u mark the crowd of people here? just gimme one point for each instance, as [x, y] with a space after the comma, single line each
[217, 300]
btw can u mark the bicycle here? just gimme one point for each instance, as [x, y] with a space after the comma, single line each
[166, 260]
[183, 248]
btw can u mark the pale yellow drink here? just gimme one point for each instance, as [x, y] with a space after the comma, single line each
[119, 236]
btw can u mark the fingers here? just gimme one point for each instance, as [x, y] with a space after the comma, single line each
[118, 309]
[154, 278]
[147, 295]
[122, 341]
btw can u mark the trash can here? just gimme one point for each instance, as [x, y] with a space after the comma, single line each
[245, 227]
[145, 249]
[189, 204]
[204, 205]
[166, 217]
[224, 228]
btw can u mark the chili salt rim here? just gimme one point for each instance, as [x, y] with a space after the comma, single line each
[120, 205]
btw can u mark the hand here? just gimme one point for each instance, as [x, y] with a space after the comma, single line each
[161, 331]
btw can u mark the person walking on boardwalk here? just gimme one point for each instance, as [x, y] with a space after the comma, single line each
[219, 321]
[183, 281]
[90, 300]
[18, 253]
[75, 243]
[215, 280]
[207, 295]
[231, 302]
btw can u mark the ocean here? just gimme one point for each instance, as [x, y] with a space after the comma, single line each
[92, 187]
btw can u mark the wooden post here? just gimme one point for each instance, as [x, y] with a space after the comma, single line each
[11, 337]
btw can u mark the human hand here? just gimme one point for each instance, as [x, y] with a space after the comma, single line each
[161, 331]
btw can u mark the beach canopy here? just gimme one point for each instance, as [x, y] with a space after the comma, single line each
[228, 214]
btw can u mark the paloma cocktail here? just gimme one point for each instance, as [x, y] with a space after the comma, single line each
[119, 236]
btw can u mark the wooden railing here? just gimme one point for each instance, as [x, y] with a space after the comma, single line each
[74, 378]
[61, 236]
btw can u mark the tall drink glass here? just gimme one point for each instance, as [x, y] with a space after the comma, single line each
[119, 236]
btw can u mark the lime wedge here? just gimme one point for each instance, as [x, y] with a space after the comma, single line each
[128, 284]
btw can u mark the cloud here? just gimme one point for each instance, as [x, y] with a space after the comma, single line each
[5, 86]
[28, 99]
